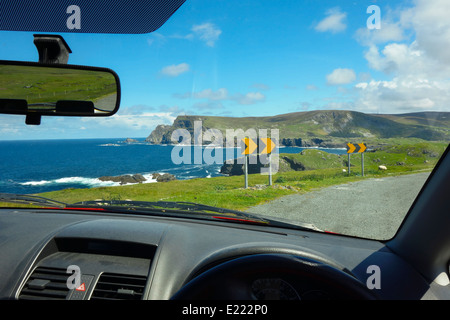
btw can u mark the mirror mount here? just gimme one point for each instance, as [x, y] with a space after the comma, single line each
[52, 48]
[33, 119]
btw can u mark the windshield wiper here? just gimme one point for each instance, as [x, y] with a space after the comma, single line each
[170, 206]
[165, 208]
[196, 210]
[30, 199]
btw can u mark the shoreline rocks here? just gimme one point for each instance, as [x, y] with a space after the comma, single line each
[138, 178]
[124, 179]
[163, 177]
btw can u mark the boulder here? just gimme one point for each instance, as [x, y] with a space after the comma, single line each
[163, 177]
[124, 179]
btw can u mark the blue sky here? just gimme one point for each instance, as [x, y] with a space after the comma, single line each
[258, 58]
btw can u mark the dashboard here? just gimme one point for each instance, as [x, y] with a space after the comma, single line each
[130, 257]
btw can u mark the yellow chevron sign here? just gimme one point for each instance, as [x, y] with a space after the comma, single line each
[269, 145]
[250, 146]
[359, 148]
[266, 146]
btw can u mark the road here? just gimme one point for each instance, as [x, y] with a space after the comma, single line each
[372, 208]
[107, 103]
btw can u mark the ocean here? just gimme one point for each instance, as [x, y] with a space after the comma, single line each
[37, 166]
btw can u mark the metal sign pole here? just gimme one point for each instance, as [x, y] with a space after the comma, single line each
[246, 171]
[270, 169]
[348, 163]
[362, 163]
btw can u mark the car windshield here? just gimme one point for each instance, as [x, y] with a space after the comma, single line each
[329, 115]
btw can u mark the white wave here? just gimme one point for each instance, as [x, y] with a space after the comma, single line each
[91, 182]
[35, 183]
[95, 182]
[149, 178]
[109, 145]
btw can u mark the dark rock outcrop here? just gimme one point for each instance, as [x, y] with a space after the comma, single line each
[237, 167]
[163, 177]
[124, 179]
[161, 135]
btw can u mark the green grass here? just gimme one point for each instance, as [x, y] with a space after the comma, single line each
[226, 192]
[313, 159]
[40, 84]
[229, 192]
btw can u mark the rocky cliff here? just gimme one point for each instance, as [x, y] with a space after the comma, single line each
[327, 128]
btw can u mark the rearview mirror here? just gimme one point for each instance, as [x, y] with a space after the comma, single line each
[36, 89]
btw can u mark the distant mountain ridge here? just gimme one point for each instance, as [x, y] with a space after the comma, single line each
[321, 128]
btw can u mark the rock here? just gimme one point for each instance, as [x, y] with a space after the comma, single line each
[124, 179]
[129, 140]
[236, 167]
[163, 177]
[295, 165]
[139, 177]
[161, 135]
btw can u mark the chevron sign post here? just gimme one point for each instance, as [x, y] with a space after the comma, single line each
[249, 146]
[356, 148]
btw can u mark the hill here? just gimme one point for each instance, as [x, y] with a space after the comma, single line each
[322, 128]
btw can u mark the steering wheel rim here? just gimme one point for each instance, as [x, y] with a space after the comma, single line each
[231, 280]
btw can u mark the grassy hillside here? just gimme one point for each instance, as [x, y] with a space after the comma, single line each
[397, 157]
[324, 127]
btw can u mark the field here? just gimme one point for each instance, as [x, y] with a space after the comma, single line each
[323, 169]
[40, 84]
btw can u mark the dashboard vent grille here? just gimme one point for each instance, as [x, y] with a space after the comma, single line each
[119, 287]
[46, 284]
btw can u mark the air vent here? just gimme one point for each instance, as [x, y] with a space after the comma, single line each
[46, 284]
[119, 287]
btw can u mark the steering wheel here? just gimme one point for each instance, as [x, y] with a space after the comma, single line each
[271, 276]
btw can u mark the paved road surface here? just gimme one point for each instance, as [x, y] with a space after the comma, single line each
[372, 208]
[107, 103]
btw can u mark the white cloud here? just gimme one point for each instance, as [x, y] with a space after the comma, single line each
[156, 38]
[431, 22]
[208, 105]
[144, 121]
[249, 98]
[403, 95]
[334, 22]
[341, 76]
[222, 94]
[311, 87]
[175, 70]
[138, 118]
[392, 28]
[412, 47]
[207, 32]
[261, 86]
